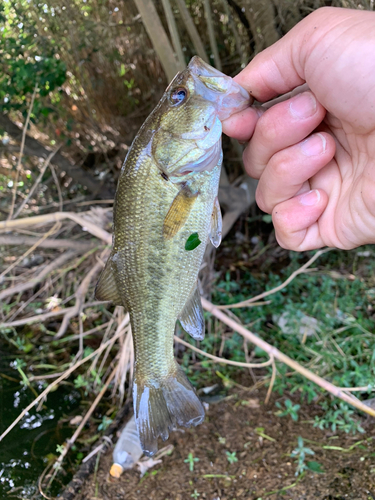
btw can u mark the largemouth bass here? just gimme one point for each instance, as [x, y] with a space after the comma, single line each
[165, 211]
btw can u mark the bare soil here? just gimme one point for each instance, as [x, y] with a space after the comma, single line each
[264, 469]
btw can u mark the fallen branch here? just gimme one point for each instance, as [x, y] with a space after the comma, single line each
[54, 228]
[48, 243]
[58, 216]
[80, 296]
[22, 287]
[39, 318]
[36, 183]
[223, 360]
[272, 351]
[301, 270]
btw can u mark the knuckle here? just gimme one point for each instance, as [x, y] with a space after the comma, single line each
[282, 241]
[281, 166]
[282, 237]
[261, 202]
[268, 127]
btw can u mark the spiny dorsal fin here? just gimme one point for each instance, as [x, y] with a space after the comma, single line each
[106, 288]
[191, 318]
[216, 224]
[178, 212]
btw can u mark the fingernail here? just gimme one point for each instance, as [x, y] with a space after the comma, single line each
[303, 105]
[310, 198]
[314, 145]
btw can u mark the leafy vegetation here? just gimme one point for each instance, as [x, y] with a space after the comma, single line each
[323, 320]
[299, 454]
[191, 460]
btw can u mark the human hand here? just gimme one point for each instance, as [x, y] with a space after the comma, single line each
[314, 155]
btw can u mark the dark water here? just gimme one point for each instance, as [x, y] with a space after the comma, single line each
[26, 450]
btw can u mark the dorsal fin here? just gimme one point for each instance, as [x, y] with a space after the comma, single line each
[191, 318]
[216, 224]
[106, 288]
[178, 212]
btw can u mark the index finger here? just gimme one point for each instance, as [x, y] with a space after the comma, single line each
[241, 125]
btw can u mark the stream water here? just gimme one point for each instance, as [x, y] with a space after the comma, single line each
[27, 449]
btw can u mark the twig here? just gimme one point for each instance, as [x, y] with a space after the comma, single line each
[80, 297]
[46, 243]
[57, 187]
[22, 287]
[39, 318]
[54, 228]
[14, 191]
[57, 216]
[42, 289]
[223, 360]
[126, 363]
[273, 378]
[357, 389]
[72, 440]
[272, 351]
[301, 270]
[36, 183]
[62, 377]
[96, 329]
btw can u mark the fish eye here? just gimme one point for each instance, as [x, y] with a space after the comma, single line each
[178, 95]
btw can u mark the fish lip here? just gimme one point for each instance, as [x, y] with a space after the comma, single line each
[227, 91]
[201, 68]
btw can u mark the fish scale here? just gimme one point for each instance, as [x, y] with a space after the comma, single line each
[167, 192]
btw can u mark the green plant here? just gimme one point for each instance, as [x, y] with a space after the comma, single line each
[299, 454]
[322, 320]
[105, 423]
[195, 494]
[191, 460]
[60, 448]
[290, 409]
[28, 61]
[231, 457]
[341, 418]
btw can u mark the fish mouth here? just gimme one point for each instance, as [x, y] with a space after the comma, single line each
[219, 88]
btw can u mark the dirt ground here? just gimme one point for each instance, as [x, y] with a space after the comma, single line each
[264, 468]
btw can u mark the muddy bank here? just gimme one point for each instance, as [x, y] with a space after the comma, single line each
[242, 430]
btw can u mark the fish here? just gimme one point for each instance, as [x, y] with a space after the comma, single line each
[166, 209]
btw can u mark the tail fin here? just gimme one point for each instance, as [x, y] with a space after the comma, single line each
[161, 406]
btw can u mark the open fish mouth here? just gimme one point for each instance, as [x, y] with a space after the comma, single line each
[219, 88]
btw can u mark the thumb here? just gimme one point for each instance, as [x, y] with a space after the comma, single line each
[282, 67]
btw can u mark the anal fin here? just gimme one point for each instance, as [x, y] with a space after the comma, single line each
[178, 212]
[216, 224]
[106, 288]
[191, 318]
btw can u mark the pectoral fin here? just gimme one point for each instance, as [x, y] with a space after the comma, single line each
[106, 288]
[178, 212]
[191, 318]
[216, 224]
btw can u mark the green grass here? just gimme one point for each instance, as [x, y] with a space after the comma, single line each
[334, 302]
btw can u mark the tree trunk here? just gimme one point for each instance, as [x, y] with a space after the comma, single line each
[192, 30]
[158, 36]
[237, 39]
[174, 34]
[211, 34]
[261, 17]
